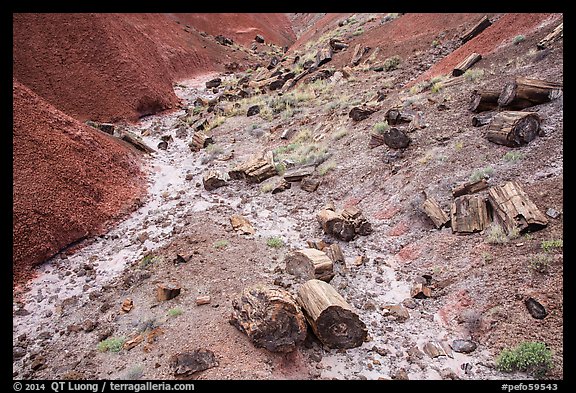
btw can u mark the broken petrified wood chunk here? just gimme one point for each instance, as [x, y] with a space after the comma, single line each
[513, 129]
[270, 317]
[332, 319]
[479, 27]
[334, 224]
[334, 252]
[469, 188]
[514, 210]
[469, 214]
[525, 92]
[214, 179]
[535, 309]
[309, 184]
[550, 38]
[255, 170]
[201, 300]
[190, 362]
[361, 113]
[395, 138]
[298, 173]
[167, 291]
[435, 212]
[213, 83]
[241, 224]
[200, 141]
[420, 291]
[309, 263]
[482, 119]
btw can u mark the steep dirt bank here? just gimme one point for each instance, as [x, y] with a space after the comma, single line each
[111, 67]
[69, 180]
[242, 28]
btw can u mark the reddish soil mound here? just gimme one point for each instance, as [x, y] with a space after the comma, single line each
[69, 180]
[109, 67]
[242, 28]
[501, 32]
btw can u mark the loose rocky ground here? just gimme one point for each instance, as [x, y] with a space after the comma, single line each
[478, 286]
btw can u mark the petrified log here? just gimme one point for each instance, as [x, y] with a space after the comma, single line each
[213, 83]
[277, 84]
[469, 214]
[482, 119]
[334, 252]
[395, 116]
[465, 64]
[108, 128]
[376, 140]
[281, 185]
[525, 92]
[484, 100]
[359, 52]
[469, 188]
[550, 38]
[167, 291]
[204, 299]
[190, 362]
[317, 244]
[273, 62]
[255, 170]
[298, 173]
[395, 138]
[330, 316]
[253, 110]
[420, 291]
[200, 141]
[214, 179]
[513, 209]
[361, 113]
[476, 29]
[334, 224]
[309, 184]
[323, 56]
[309, 263]
[135, 141]
[337, 44]
[435, 212]
[513, 129]
[259, 38]
[270, 317]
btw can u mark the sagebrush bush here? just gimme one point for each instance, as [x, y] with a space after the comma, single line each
[112, 344]
[532, 357]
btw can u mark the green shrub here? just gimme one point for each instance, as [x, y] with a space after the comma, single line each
[112, 344]
[381, 127]
[473, 75]
[341, 133]
[391, 63]
[481, 173]
[148, 260]
[495, 234]
[359, 31]
[540, 263]
[513, 156]
[518, 39]
[436, 87]
[174, 312]
[548, 245]
[221, 243]
[326, 167]
[531, 357]
[275, 242]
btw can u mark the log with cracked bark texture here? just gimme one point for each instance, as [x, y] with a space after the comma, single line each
[332, 319]
[334, 224]
[469, 214]
[309, 263]
[513, 209]
[525, 92]
[479, 27]
[466, 64]
[550, 38]
[270, 317]
[484, 100]
[513, 129]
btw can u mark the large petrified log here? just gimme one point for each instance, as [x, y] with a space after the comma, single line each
[550, 38]
[332, 319]
[525, 92]
[255, 170]
[434, 211]
[309, 263]
[513, 129]
[324, 55]
[469, 214]
[476, 29]
[484, 100]
[395, 138]
[466, 63]
[270, 317]
[513, 209]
